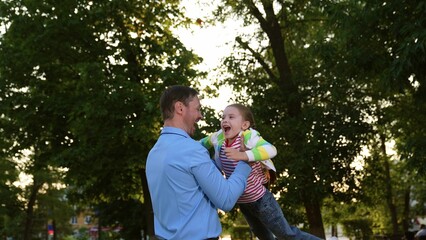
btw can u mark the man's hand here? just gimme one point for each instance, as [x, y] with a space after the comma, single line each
[235, 154]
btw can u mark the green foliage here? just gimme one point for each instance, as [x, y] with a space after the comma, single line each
[358, 229]
[123, 213]
[344, 74]
[235, 225]
[8, 192]
[241, 232]
[419, 193]
[80, 83]
[82, 234]
[11, 226]
[409, 131]
[387, 42]
[318, 143]
[385, 33]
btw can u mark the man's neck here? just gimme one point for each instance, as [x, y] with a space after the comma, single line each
[172, 123]
[175, 123]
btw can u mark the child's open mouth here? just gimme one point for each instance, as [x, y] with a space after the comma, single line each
[226, 129]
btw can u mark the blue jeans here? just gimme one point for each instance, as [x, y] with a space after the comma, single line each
[267, 220]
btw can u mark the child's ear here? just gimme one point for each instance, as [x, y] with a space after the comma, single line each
[246, 125]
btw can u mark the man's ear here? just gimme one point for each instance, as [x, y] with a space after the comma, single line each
[178, 107]
[246, 125]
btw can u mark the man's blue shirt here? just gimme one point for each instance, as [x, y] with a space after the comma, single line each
[187, 189]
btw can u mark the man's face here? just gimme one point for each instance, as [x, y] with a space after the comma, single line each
[191, 115]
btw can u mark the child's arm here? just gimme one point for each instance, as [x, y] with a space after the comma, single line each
[257, 148]
[209, 141]
[212, 141]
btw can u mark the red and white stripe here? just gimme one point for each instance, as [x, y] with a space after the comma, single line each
[254, 189]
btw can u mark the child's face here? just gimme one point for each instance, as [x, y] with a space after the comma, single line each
[232, 123]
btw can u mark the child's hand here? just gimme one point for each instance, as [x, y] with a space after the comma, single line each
[235, 154]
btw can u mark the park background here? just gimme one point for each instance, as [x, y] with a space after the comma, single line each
[337, 86]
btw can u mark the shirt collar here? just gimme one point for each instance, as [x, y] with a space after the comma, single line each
[175, 130]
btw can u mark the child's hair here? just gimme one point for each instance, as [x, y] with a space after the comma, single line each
[245, 113]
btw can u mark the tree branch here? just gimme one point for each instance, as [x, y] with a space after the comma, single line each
[258, 57]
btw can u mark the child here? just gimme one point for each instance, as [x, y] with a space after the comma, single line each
[257, 203]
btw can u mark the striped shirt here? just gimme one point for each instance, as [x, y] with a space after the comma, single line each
[254, 189]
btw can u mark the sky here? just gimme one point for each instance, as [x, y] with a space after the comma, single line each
[211, 43]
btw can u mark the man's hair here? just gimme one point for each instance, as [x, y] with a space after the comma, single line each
[245, 112]
[173, 94]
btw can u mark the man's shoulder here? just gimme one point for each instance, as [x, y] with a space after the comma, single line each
[189, 144]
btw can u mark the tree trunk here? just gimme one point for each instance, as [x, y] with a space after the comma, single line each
[54, 230]
[149, 213]
[271, 26]
[30, 211]
[388, 190]
[334, 230]
[313, 212]
[406, 214]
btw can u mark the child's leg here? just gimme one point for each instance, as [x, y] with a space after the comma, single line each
[270, 214]
[256, 226]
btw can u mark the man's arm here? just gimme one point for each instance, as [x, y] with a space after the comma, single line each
[222, 192]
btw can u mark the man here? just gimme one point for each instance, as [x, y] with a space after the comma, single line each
[421, 234]
[185, 185]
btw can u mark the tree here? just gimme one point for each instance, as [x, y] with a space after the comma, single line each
[9, 207]
[80, 82]
[315, 111]
[388, 44]
[336, 75]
